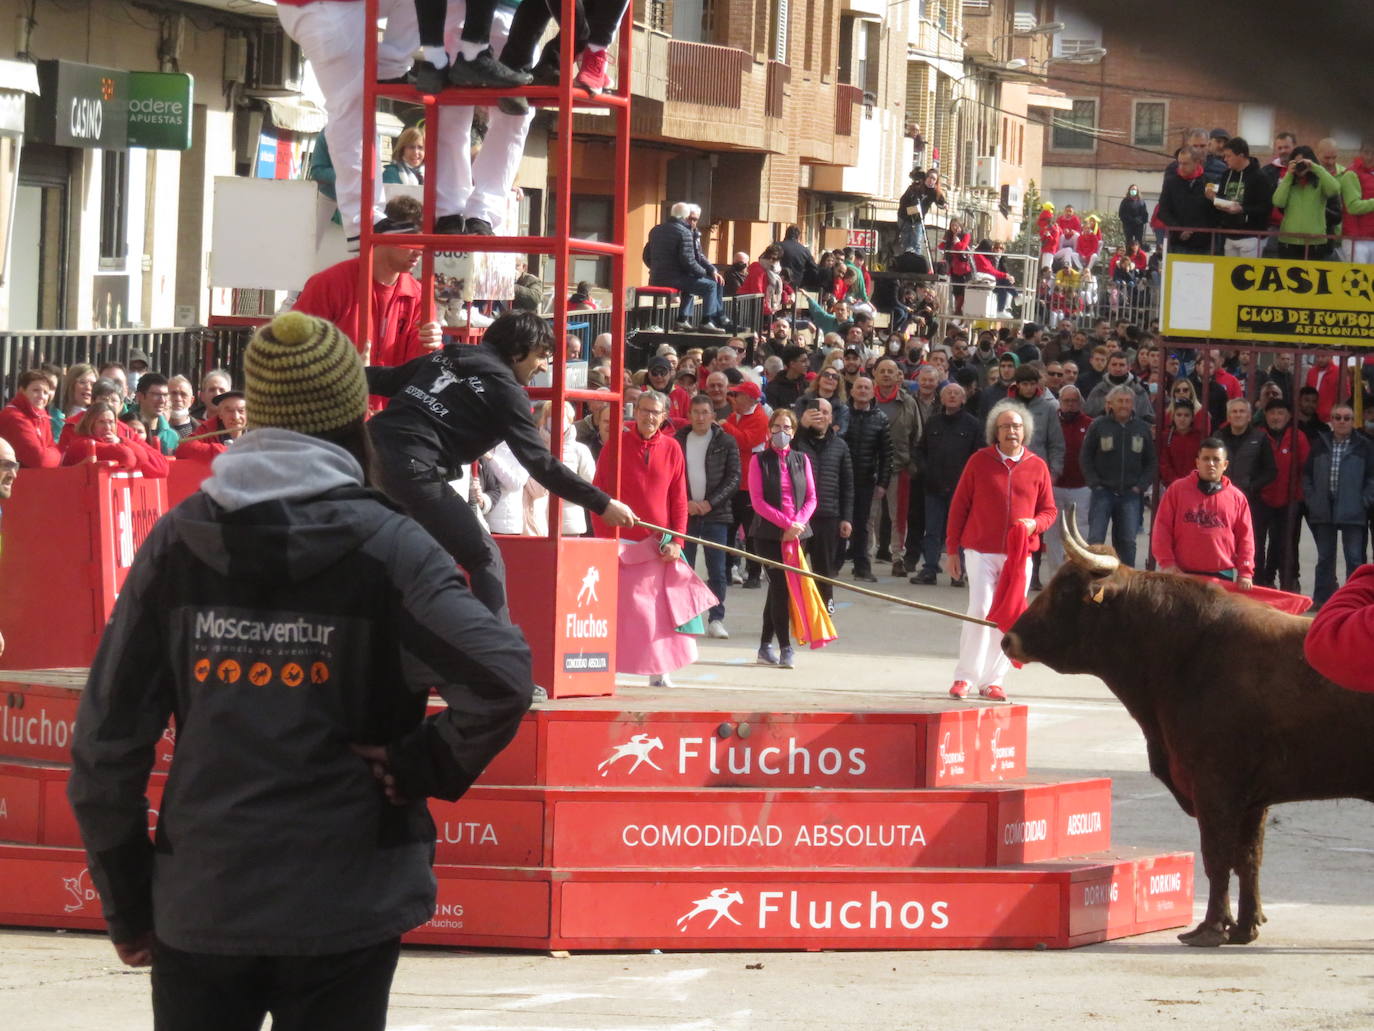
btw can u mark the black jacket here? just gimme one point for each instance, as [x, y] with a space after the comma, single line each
[1184, 203]
[1252, 466]
[1254, 191]
[949, 442]
[800, 265]
[722, 472]
[782, 392]
[832, 468]
[450, 407]
[1133, 213]
[671, 254]
[869, 446]
[281, 614]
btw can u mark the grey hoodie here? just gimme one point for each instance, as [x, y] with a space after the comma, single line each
[281, 614]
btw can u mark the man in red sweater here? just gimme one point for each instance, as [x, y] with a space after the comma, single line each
[1003, 502]
[397, 335]
[1203, 523]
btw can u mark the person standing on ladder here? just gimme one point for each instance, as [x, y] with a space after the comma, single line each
[449, 408]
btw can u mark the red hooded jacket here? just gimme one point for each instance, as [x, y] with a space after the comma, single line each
[1178, 453]
[1286, 487]
[29, 432]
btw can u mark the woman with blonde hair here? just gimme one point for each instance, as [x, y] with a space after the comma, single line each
[829, 384]
[407, 165]
[74, 396]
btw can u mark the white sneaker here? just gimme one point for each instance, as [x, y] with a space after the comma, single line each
[716, 629]
[736, 577]
[661, 680]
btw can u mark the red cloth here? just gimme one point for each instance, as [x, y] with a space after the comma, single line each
[756, 282]
[29, 432]
[1075, 432]
[1009, 596]
[653, 482]
[680, 403]
[1286, 486]
[1341, 638]
[1204, 533]
[1360, 227]
[956, 250]
[1088, 244]
[1284, 601]
[1325, 379]
[750, 432]
[1178, 454]
[1069, 223]
[201, 450]
[979, 513]
[396, 313]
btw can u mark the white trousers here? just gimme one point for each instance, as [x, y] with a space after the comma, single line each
[462, 186]
[981, 659]
[1243, 246]
[1362, 251]
[1053, 539]
[331, 37]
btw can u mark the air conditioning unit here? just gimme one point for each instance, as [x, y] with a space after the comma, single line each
[985, 173]
[280, 64]
[1011, 195]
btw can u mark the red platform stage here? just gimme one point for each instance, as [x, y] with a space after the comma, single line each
[663, 824]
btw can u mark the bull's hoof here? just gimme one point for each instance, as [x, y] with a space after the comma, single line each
[1204, 936]
[1242, 934]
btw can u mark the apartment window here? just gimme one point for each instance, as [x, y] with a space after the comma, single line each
[114, 208]
[1151, 117]
[1256, 125]
[1021, 145]
[1024, 16]
[777, 31]
[1069, 127]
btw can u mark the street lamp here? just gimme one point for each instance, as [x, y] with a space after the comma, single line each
[1088, 55]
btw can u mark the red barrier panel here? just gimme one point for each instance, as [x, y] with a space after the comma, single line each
[72, 534]
[184, 478]
[562, 593]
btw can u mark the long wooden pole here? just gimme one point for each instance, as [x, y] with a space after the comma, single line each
[823, 579]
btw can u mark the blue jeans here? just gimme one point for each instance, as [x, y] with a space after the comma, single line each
[933, 541]
[709, 292]
[1005, 295]
[1352, 543]
[1122, 509]
[715, 558]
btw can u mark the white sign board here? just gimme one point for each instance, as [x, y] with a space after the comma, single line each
[263, 234]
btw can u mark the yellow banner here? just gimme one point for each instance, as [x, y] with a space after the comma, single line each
[1269, 300]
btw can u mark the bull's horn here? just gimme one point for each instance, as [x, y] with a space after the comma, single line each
[1077, 549]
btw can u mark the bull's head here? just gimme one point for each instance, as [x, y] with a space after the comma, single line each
[1073, 610]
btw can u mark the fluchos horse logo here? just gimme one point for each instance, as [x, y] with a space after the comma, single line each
[639, 747]
[718, 903]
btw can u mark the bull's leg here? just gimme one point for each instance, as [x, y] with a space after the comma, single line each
[1249, 855]
[1218, 847]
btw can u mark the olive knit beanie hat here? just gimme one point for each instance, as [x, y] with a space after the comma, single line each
[302, 374]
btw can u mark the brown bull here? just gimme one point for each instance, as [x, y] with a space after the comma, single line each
[1234, 718]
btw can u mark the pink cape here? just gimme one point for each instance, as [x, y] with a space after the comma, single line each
[656, 598]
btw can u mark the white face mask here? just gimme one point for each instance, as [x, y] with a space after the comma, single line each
[177, 416]
[781, 438]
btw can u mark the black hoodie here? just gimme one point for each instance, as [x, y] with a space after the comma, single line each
[450, 407]
[281, 614]
[1252, 188]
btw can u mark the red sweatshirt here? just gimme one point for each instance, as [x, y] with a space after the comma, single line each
[396, 313]
[1341, 637]
[1325, 379]
[130, 454]
[1178, 454]
[750, 433]
[29, 432]
[653, 482]
[1088, 244]
[1204, 533]
[993, 491]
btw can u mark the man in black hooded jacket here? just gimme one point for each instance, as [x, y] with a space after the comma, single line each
[832, 467]
[450, 407]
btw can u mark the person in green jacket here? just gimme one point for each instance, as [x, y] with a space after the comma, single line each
[1302, 195]
[151, 397]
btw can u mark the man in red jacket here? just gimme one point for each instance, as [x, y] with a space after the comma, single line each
[748, 424]
[397, 334]
[1203, 523]
[1003, 502]
[1278, 515]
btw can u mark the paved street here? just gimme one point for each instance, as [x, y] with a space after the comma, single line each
[1308, 970]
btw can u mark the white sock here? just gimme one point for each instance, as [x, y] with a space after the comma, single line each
[596, 48]
[436, 56]
[470, 50]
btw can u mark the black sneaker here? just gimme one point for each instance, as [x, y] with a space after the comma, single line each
[925, 576]
[752, 582]
[478, 227]
[449, 225]
[485, 70]
[517, 107]
[400, 80]
[866, 576]
[428, 79]
[547, 70]
[960, 582]
[883, 555]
